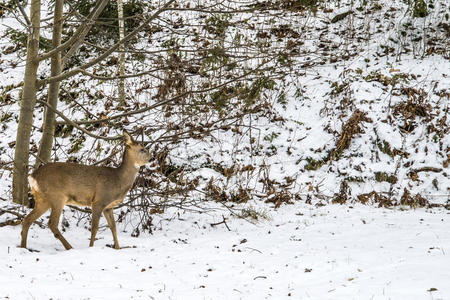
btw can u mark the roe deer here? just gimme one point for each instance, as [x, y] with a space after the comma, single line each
[54, 185]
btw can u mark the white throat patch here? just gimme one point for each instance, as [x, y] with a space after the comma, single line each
[33, 183]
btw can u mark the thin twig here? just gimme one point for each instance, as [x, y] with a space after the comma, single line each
[68, 121]
[224, 221]
[24, 14]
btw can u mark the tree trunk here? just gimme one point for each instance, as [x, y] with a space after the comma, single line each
[45, 147]
[122, 54]
[21, 155]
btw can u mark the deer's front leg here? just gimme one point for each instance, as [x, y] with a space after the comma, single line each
[96, 213]
[109, 215]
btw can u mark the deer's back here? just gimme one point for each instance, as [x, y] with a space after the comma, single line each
[75, 183]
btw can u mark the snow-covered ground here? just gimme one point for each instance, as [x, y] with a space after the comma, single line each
[301, 252]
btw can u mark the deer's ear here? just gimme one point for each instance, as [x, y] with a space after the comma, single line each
[127, 139]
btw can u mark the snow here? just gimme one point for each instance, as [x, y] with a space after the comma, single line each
[302, 252]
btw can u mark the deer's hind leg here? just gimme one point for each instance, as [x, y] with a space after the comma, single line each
[57, 208]
[40, 207]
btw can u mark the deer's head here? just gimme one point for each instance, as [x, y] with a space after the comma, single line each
[136, 152]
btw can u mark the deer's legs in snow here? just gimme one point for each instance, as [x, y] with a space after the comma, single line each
[109, 215]
[96, 214]
[39, 209]
[57, 208]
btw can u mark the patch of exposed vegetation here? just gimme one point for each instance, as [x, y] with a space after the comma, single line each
[415, 106]
[279, 198]
[218, 194]
[354, 179]
[349, 130]
[414, 174]
[343, 195]
[254, 214]
[374, 197]
[340, 17]
[385, 177]
[385, 147]
[387, 80]
[413, 201]
[313, 164]
[419, 8]
[291, 5]
[384, 201]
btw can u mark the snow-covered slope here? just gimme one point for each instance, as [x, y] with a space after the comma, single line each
[363, 101]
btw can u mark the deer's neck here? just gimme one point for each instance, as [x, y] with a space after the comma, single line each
[128, 169]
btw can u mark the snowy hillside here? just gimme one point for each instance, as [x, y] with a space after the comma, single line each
[363, 101]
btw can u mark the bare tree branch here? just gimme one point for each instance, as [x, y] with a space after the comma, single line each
[106, 53]
[79, 34]
[24, 14]
[104, 78]
[68, 121]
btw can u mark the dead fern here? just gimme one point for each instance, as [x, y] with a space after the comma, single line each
[349, 130]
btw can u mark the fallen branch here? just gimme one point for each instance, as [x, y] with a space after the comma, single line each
[17, 221]
[13, 222]
[428, 169]
[224, 221]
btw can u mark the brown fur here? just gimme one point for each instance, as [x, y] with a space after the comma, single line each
[56, 184]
